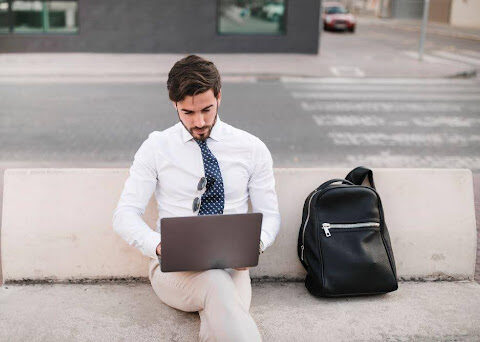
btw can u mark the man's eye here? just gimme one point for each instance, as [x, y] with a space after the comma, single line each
[206, 110]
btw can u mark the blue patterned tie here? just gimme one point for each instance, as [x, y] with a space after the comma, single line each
[213, 199]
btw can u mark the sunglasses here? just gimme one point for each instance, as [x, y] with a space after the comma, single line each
[202, 184]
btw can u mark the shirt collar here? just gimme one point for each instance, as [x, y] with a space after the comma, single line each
[215, 134]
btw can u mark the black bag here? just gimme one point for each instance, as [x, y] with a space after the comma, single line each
[343, 241]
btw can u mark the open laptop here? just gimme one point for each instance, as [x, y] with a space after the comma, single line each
[195, 243]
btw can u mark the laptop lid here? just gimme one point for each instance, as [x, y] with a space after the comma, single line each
[195, 243]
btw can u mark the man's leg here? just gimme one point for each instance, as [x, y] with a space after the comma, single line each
[243, 283]
[213, 293]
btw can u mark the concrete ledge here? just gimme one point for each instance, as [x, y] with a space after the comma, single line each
[57, 223]
[424, 311]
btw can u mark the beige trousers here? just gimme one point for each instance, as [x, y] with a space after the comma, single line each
[221, 297]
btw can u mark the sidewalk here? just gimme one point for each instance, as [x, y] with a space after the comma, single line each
[363, 54]
[88, 67]
[283, 311]
[441, 29]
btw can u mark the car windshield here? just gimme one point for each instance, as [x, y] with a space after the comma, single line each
[335, 10]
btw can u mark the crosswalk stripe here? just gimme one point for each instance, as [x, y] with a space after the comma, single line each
[376, 120]
[385, 81]
[402, 139]
[387, 158]
[472, 88]
[382, 107]
[383, 96]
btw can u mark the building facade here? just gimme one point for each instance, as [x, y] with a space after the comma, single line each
[160, 26]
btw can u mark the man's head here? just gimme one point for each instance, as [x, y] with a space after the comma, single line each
[194, 88]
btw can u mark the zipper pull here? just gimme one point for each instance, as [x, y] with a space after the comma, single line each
[326, 227]
[302, 247]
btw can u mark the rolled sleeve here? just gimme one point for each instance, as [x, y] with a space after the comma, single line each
[138, 189]
[261, 188]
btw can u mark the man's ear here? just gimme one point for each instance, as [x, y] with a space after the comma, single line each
[174, 104]
[219, 97]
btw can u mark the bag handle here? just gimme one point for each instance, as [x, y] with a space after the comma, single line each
[327, 183]
[358, 175]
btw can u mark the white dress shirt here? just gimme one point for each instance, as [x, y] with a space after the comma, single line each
[170, 163]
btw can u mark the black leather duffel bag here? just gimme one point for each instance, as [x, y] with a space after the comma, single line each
[343, 241]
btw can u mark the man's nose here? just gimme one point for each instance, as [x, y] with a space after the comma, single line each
[198, 120]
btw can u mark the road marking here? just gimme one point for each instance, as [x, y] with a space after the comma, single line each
[383, 96]
[457, 57]
[450, 121]
[375, 120]
[342, 71]
[348, 120]
[420, 88]
[381, 107]
[386, 158]
[402, 139]
[387, 81]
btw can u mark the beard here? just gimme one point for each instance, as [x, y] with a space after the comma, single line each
[205, 130]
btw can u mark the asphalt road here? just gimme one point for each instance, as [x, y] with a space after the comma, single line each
[379, 122]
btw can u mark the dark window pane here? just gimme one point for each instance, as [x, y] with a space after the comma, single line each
[252, 17]
[62, 16]
[4, 23]
[27, 16]
[44, 16]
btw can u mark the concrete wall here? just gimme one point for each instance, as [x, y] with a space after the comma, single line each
[465, 13]
[180, 26]
[56, 223]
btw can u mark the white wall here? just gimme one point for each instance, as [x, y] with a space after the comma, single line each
[465, 13]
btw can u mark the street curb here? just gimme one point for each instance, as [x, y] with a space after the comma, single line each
[472, 73]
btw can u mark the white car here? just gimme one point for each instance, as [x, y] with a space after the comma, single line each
[273, 12]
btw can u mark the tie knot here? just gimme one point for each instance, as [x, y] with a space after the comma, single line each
[201, 143]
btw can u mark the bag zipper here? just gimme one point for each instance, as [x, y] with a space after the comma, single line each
[326, 226]
[306, 221]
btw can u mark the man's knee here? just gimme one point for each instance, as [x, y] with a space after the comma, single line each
[218, 284]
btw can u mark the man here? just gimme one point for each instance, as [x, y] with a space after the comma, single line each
[200, 166]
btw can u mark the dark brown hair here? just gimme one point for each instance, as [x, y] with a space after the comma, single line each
[192, 75]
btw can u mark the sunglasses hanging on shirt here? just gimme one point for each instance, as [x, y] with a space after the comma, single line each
[202, 184]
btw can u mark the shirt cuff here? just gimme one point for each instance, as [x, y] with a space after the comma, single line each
[261, 248]
[152, 245]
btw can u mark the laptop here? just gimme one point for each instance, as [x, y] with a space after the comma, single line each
[196, 243]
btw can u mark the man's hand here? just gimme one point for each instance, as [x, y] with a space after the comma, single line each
[260, 251]
[159, 249]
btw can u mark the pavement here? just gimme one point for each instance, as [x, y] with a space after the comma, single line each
[441, 29]
[283, 311]
[366, 53]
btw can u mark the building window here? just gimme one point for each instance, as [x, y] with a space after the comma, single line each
[251, 17]
[38, 16]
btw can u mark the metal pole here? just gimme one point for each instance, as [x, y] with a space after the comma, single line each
[426, 5]
[381, 8]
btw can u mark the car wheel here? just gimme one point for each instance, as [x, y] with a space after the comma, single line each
[352, 29]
